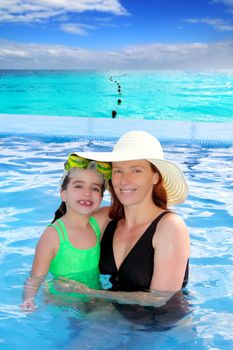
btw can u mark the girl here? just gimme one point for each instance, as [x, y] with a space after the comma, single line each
[70, 246]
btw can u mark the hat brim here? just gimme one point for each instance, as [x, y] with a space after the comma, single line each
[173, 178]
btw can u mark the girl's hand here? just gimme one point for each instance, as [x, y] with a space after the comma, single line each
[28, 306]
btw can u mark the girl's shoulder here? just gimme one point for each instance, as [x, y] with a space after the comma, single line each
[49, 236]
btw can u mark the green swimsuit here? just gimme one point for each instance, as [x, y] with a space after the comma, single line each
[76, 264]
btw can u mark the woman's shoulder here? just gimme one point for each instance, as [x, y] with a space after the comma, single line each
[169, 216]
[171, 224]
[172, 236]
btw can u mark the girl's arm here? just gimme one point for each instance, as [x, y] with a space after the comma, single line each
[45, 251]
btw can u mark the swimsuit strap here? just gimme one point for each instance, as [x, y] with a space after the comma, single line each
[161, 215]
[152, 227]
[63, 235]
[95, 226]
[59, 231]
[61, 223]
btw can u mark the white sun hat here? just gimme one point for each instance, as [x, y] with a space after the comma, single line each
[135, 145]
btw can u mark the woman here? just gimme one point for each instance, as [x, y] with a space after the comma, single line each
[146, 246]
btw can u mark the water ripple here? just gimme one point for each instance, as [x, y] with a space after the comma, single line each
[30, 173]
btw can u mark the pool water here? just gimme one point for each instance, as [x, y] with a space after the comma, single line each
[30, 171]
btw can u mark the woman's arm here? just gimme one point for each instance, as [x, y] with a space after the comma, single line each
[45, 250]
[150, 298]
[172, 249]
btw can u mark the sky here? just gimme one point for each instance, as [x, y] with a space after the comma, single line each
[116, 34]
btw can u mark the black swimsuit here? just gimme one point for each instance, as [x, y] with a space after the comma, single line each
[136, 270]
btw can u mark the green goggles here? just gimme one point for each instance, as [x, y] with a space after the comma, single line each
[75, 161]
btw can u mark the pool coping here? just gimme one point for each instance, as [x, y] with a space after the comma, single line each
[40, 126]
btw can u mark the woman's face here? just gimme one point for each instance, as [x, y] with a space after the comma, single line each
[133, 181]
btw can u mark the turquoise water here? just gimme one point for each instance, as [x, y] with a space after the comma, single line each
[30, 170]
[32, 152]
[156, 95]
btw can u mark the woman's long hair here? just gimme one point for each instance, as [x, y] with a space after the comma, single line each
[159, 197]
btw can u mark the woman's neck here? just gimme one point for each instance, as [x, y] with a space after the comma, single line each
[139, 214]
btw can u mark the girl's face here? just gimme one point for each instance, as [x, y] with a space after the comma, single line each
[133, 181]
[84, 192]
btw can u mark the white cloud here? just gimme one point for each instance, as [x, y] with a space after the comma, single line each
[216, 23]
[30, 11]
[112, 6]
[225, 2]
[155, 56]
[73, 28]
[29, 17]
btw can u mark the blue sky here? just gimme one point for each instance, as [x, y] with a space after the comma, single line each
[116, 34]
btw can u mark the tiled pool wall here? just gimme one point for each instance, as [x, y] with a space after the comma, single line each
[213, 134]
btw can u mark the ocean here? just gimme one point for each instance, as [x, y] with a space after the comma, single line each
[154, 95]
